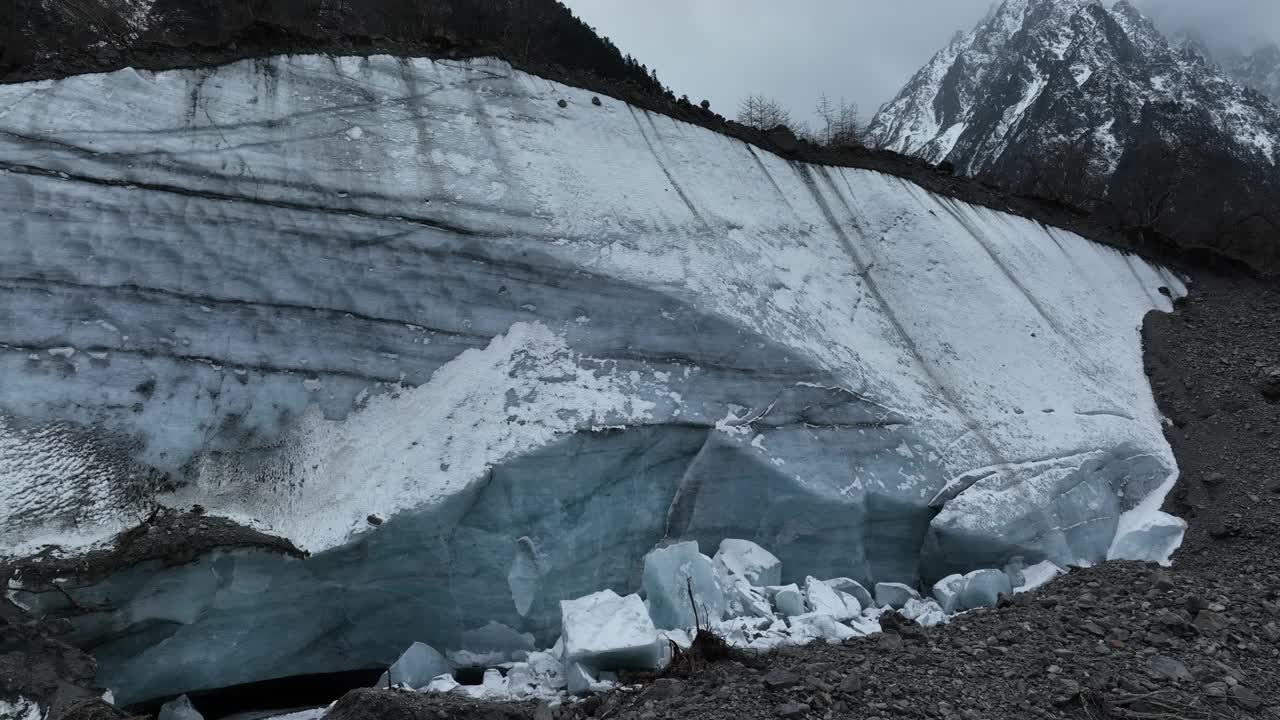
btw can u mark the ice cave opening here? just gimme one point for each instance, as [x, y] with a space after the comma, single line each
[269, 697]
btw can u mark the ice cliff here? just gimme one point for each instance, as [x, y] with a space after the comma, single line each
[479, 353]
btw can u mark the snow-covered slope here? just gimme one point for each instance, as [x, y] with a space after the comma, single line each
[534, 341]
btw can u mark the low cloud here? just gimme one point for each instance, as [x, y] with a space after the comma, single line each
[861, 50]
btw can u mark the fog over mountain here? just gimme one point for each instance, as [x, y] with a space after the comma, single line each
[863, 50]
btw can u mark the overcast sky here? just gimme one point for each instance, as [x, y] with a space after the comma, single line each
[863, 50]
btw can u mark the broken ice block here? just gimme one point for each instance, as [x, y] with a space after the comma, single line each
[179, 709]
[1037, 575]
[947, 592]
[818, 626]
[854, 588]
[1146, 533]
[750, 561]
[605, 631]
[743, 599]
[541, 675]
[579, 678]
[442, 684]
[982, 588]
[924, 612]
[491, 645]
[495, 685]
[787, 599]
[667, 575]
[1015, 570]
[415, 668]
[894, 595]
[821, 598]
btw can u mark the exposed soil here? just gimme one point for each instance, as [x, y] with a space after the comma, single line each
[169, 536]
[1214, 366]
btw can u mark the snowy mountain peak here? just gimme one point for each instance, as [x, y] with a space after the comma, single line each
[1074, 100]
[979, 98]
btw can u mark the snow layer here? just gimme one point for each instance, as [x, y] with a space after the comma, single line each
[536, 341]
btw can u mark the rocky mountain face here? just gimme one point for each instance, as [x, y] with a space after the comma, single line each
[1092, 106]
[1258, 68]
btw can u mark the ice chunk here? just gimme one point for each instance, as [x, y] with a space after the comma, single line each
[894, 595]
[179, 709]
[21, 709]
[667, 575]
[750, 561]
[542, 675]
[1015, 569]
[491, 645]
[744, 599]
[442, 683]
[494, 685]
[415, 668]
[868, 623]
[818, 626]
[682, 638]
[947, 592]
[854, 588]
[924, 612]
[521, 681]
[606, 631]
[752, 632]
[1037, 575]
[821, 598]
[1150, 535]
[787, 599]
[579, 678]
[982, 588]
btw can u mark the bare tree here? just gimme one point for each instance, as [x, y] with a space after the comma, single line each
[763, 113]
[838, 122]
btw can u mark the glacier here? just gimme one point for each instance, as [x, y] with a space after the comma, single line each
[304, 291]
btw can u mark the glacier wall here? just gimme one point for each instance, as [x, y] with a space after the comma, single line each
[536, 340]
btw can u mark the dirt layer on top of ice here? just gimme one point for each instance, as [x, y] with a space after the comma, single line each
[168, 536]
